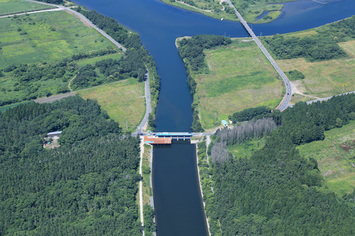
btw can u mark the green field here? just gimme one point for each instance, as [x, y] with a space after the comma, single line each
[240, 77]
[246, 149]
[324, 78]
[123, 101]
[42, 37]
[92, 61]
[336, 158]
[18, 6]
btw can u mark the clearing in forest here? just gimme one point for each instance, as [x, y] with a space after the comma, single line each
[336, 158]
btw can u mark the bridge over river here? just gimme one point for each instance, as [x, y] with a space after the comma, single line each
[286, 100]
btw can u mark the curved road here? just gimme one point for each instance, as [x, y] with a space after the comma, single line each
[286, 100]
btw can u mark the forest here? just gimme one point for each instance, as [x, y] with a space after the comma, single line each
[191, 51]
[321, 46]
[87, 186]
[276, 191]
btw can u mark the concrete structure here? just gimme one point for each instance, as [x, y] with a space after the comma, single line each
[154, 140]
[54, 134]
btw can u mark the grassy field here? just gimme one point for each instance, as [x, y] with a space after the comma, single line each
[8, 7]
[123, 101]
[325, 78]
[322, 78]
[92, 61]
[240, 77]
[336, 158]
[42, 37]
[246, 149]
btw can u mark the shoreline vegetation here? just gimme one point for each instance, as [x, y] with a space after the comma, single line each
[255, 12]
[148, 204]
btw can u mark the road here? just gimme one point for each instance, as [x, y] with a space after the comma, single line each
[286, 100]
[327, 98]
[148, 106]
[31, 12]
[84, 19]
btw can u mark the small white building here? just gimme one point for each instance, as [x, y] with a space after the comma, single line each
[54, 134]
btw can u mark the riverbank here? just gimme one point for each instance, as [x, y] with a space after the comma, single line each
[260, 12]
[146, 197]
[198, 163]
[206, 185]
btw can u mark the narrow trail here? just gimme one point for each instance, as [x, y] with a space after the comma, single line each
[69, 84]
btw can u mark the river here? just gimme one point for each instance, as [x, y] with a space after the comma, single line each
[176, 192]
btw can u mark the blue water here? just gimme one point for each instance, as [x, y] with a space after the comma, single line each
[159, 25]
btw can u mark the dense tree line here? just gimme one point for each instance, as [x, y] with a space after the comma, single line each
[254, 129]
[276, 191]
[306, 123]
[31, 80]
[52, 1]
[249, 114]
[87, 186]
[191, 51]
[322, 46]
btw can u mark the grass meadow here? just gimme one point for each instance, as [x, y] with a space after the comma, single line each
[325, 78]
[47, 36]
[246, 149]
[8, 7]
[336, 158]
[123, 101]
[322, 78]
[92, 61]
[240, 77]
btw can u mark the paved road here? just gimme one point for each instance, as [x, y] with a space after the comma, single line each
[327, 98]
[83, 18]
[286, 100]
[148, 106]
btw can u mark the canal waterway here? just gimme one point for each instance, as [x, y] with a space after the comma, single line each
[176, 191]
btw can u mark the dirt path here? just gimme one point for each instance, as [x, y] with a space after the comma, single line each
[31, 12]
[54, 98]
[69, 84]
